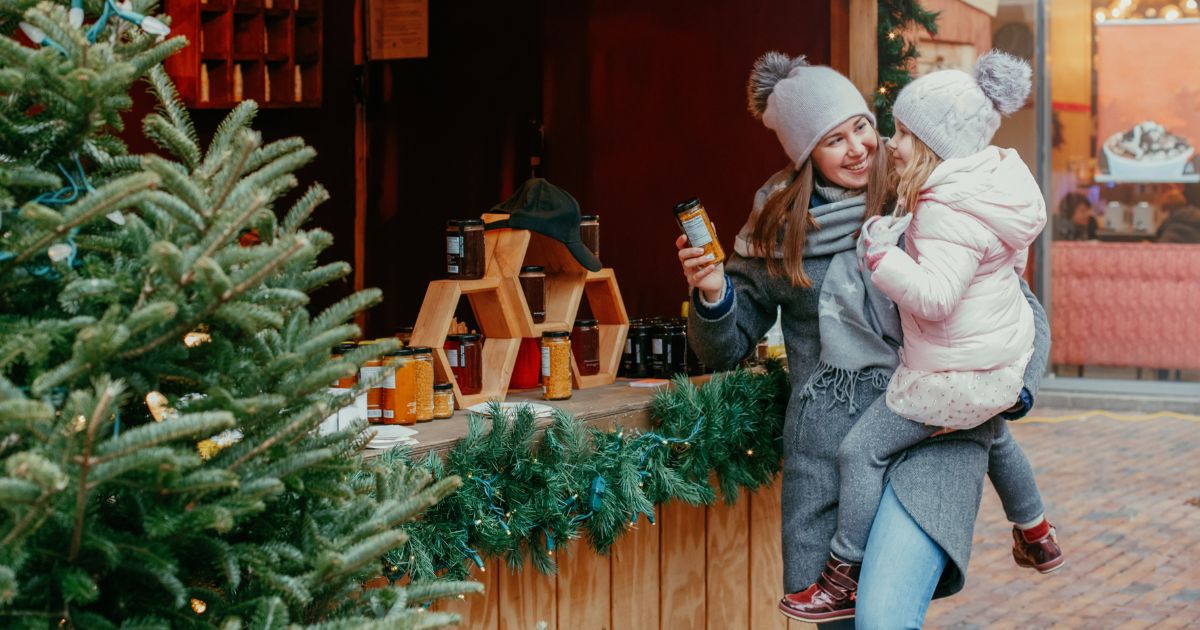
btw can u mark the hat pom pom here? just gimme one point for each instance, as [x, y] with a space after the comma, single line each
[769, 70]
[1004, 79]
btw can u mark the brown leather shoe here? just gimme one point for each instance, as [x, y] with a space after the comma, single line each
[1042, 554]
[830, 599]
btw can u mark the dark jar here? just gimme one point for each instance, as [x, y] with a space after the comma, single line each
[675, 351]
[585, 345]
[635, 361]
[589, 232]
[454, 248]
[464, 354]
[655, 363]
[533, 285]
[473, 256]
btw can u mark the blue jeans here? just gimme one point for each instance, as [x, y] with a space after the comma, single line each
[900, 571]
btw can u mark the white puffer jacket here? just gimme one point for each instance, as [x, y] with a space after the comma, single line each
[956, 281]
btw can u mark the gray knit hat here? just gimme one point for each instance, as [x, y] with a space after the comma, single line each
[800, 102]
[956, 114]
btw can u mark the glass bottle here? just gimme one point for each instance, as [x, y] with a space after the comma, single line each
[533, 285]
[423, 377]
[556, 365]
[473, 250]
[443, 400]
[589, 232]
[470, 365]
[693, 220]
[585, 345]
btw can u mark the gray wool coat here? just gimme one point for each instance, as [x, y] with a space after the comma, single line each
[939, 481]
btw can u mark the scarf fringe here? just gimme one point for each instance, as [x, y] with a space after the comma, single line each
[838, 385]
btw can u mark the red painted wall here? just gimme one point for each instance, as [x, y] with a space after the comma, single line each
[645, 106]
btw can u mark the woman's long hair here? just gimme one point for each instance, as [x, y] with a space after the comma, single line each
[910, 180]
[787, 210]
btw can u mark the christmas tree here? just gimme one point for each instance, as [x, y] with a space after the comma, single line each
[161, 375]
[897, 18]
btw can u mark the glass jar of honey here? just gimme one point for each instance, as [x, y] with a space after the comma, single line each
[423, 377]
[473, 250]
[399, 401]
[443, 400]
[693, 220]
[556, 365]
[339, 351]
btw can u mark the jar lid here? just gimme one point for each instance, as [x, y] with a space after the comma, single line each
[455, 336]
[589, 217]
[343, 348]
[533, 269]
[401, 329]
[402, 352]
[443, 386]
[555, 334]
[421, 350]
[687, 205]
[453, 223]
[585, 322]
[470, 222]
[469, 337]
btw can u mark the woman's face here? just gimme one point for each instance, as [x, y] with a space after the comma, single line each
[901, 146]
[843, 156]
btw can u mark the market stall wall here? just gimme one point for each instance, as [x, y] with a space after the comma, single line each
[640, 106]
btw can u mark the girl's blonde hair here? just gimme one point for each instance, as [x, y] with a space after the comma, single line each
[787, 210]
[909, 180]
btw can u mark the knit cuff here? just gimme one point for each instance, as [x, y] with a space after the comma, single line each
[714, 310]
[1018, 411]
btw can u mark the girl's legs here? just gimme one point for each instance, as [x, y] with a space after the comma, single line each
[863, 458]
[1035, 544]
[1012, 476]
[900, 571]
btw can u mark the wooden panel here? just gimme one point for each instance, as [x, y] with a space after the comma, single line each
[839, 35]
[635, 578]
[681, 566]
[727, 584]
[584, 600]
[766, 559]
[480, 611]
[526, 597]
[863, 58]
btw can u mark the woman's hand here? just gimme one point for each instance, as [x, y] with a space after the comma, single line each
[700, 272]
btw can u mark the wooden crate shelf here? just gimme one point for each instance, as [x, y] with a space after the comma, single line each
[266, 50]
[503, 314]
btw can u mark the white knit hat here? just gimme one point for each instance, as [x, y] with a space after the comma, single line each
[801, 103]
[956, 114]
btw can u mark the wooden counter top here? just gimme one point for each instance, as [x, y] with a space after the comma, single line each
[601, 407]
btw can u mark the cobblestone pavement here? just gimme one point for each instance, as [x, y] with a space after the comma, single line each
[1124, 492]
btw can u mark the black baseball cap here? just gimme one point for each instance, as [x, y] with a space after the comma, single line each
[547, 209]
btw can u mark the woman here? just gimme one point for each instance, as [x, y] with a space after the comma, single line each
[796, 253]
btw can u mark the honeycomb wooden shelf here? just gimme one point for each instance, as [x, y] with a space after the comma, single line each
[266, 50]
[503, 314]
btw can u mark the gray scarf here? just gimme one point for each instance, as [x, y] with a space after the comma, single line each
[859, 325]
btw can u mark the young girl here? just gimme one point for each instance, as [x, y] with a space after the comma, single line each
[968, 212]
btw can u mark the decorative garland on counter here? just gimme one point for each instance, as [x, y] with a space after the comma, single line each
[524, 497]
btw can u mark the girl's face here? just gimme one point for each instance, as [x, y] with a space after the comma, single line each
[901, 146]
[844, 155]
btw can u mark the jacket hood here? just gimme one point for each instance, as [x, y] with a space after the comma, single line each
[996, 188]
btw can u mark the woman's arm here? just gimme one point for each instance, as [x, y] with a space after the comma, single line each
[725, 332]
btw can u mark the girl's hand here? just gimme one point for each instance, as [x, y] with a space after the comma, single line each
[880, 234]
[700, 272]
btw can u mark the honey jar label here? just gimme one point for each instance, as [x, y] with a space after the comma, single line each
[452, 358]
[697, 231]
[545, 361]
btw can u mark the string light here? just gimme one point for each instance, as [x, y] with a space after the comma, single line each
[196, 338]
[883, 89]
[158, 405]
[892, 35]
[80, 423]
[199, 606]
[750, 452]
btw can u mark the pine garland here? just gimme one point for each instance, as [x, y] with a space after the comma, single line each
[896, 53]
[525, 498]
